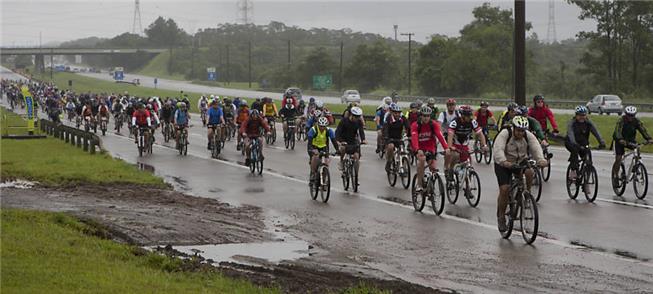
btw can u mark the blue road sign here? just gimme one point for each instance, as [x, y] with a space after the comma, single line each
[212, 76]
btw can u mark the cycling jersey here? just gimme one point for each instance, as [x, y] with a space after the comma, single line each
[482, 118]
[541, 114]
[508, 148]
[181, 117]
[103, 110]
[243, 115]
[166, 113]
[141, 118]
[87, 111]
[269, 109]
[319, 139]
[288, 114]
[412, 116]
[504, 120]
[252, 127]
[462, 130]
[214, 115]
[380, 113]
[446, 118]
[347, 130]
[423, 136]
[393, 127]
[627, 130]
[578, 133]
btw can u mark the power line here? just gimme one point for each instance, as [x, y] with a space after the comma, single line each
[137, 18]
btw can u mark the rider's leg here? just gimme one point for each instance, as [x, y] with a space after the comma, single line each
[502, 204]
[379, 140]
[390, 151]
[314, 162]
[529, 173]
[210, 137]
[619, 152]
[246, 144]
[356, 161]
[421, 162]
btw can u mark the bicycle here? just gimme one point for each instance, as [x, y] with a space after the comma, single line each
[78, 121]
[167, 131]
[119, 121]
[255, 156]
[546, 171]
[431, 179]
[182, 142]
[88, 124]
[411, 154]
[636, 173]
[521, 205]
[142, 145]
[400, 166]
[322, 183]
[465, 177]
[272, 136]
[203, 115]
[289, 136]
[480, 156]
[216, 141]
[349, 172]
[586, 177]
[301, 131]
[104, 121]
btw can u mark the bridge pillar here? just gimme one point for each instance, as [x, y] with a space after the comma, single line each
[39, 63]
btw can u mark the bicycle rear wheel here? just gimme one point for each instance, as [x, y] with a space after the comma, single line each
[325, 184]
[640, 181]
[472, 188]
[572, 185]
[418, 198]
[477, 148]
[392, 174]
[437, 196]
[621, 180]
[537, 184]
[591, 183]
[453, 190]
[546, 171]
[488, 154]
[345, 176]
[405, 172]
[292, 141]
[528, 218]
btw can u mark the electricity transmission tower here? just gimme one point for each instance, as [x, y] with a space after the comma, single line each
[551, 30]
[137, 19]
[245, 10]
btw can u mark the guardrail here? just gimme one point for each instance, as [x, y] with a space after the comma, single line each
[76, 137]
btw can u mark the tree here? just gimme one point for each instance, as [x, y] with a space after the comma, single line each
[317, 62]
[372, 66]
[166, 33]
[23, 61]
[430, 63]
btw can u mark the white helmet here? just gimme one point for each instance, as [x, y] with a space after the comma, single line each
[319, 104]
[356, 111]
[387, 100]
[317, 113]
[323, 122]
[630, 110]
[520, 122]
[212, 96]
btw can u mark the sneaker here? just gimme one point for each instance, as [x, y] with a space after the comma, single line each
[501, 223]
[247, 161]
[238, 147]
[208, 146]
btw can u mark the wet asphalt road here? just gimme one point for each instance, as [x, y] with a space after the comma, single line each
[582, 249]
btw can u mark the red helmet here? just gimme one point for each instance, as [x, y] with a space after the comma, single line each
[451, 101]
[465, 110]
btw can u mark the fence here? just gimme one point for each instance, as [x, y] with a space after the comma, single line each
[75, 137]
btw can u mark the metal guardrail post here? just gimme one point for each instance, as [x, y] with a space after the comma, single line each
[79, 141]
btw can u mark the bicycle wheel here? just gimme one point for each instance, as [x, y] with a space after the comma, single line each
[252, 160]
[640, 181]
[621, 180]
[511, 214]
[214, 148]
[313, 186]
[259, 161]
[345, 176]
[354, 178]
[546, 171]
[528, 218]
[537, 184]
[184, 146]
[274, 134]
[488, 155]
[437, 198]
[325, 184]
[453, 190]
[472, 188]
[292, 141]
[477, 148]
[404, 172]
[286, 139]
[392, 174]
[572, 185]
[591, 183]
[418, 198]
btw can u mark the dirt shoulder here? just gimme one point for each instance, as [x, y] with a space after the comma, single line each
[147, 216]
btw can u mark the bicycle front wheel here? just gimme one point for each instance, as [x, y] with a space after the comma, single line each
[354, 178]
[590, 183]
[536, 187]
[418, 197]
[325, 184]
[453, 190]
[392, 174]
[345, 176]
[621, 181]
[488, 154]
[528, 218]
[472, 188]
[405, 172]
[572, 184]
[510, 215]
[640, 181]
[313, 187]
[477, 154]
[437, 195]
[546, 171]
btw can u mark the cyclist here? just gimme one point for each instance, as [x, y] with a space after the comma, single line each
[460, 130]
[393, 133]
[203, 106]
[141, 119]
[103, 111]
[70, 107]
[215, 119]
[250, 129]
[319, 105]
[483, 116]
[533, 124]
[435, 111]
[243, 115]
[229, 110]
[379, 119]
[425, 133]
[624, 136]
[186, 101]
[301, 107]
[318, 141]
[412, 115]
[446, 117]
[237, 102]
[292, 97]
[181, 119]
[87, 112]
[257, 105]
[578, 133]
[288, 113]
[349, 130]
[269, 110]
[506, 116]
[167, 111]
[541, 112]
[512, 145]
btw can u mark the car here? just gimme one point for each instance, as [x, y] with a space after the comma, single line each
[350, 96]
[605, 103]
[296, 91]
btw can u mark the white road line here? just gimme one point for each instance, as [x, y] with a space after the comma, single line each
[625, 203]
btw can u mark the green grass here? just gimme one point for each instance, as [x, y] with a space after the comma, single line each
[158, 67]
[52, 162]
[13, 124]
[44, 252]
[231, 85]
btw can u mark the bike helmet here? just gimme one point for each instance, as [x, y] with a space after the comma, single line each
[581, 109]
[395, 107]
[520, 122]
[630, 110]
[413, 105]
[317, 113]
[243, 102]
[319, 104]
[431, 101]
[301, 102]
[311, 100]
[419, 103]
[512, 106]
[179, 104]
[538, 97]
[425, 110]
[183, 105]
[484, 104]
[387, 100]
[356, 111]
[255, 113]
[323, 122]
[466, 110]
[522, 110]
[451, 101]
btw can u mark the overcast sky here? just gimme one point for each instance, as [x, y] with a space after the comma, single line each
[22, 21]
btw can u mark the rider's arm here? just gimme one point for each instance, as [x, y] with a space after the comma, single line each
[310, 135]
[414, 137]
[537, 128]
[339, 130]
[361, 130]
[149, 121]
[534, 147]
[332, 137]
[549, 115]
[439, 136]
[499, 149]
[441, 117]
[264, 122]
[570, 132]
[642, 130]
[134, 119]
[596, 133]
[618, 130]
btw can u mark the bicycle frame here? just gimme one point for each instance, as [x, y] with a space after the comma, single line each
[636, 158]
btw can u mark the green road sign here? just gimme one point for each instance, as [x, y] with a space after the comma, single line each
[322, 82]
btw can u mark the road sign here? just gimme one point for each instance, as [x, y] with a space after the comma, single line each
[156, 81]
[322, 82]
[118, 74]
[212, 75]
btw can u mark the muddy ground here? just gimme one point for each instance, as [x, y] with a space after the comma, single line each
[146, 216]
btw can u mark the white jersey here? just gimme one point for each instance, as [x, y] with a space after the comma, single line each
[445, 119]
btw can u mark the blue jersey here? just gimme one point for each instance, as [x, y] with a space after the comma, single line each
[181, 117]
[214, 115]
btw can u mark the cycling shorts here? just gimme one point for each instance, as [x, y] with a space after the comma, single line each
[323, 149]
[504, 175]
[463, 150]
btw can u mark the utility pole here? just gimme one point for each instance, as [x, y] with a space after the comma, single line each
[342, 45]
[51, 63]
[520, 50]
[192, 58]
[288, 54]
[250, 63]
[410, 41]
[396, 27]
[228, 78]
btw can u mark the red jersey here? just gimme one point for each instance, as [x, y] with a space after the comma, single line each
[541, 114]
[482, 118]
[252, 127]
[142, 117]
[423, 136]
[413, 117]
[283, 102]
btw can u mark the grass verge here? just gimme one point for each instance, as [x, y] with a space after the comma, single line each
[44, 252]
[13, 124]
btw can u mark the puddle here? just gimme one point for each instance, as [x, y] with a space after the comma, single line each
[216, 190]
[181, 183]
[18, 184]
[396, 200]
[254, 190]
[274, 252]
[145, 167]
